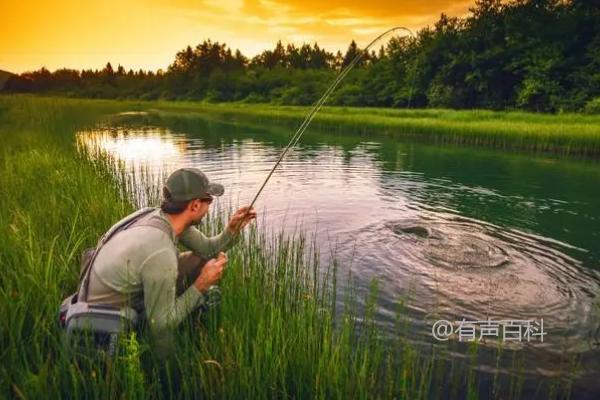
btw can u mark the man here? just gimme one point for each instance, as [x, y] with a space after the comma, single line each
[141, 266]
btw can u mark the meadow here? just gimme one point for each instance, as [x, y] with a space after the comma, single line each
[275, 335]
[564, 134]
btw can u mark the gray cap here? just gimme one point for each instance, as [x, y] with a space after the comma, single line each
[191, 183]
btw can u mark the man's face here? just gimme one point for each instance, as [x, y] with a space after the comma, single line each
[198, 209]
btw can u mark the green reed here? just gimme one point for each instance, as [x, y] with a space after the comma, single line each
[278, 332]
[567, 134]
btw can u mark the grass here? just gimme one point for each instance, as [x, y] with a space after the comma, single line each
[567, 134]
[276, 334]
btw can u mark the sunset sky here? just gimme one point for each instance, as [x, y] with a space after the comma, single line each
[147, 34]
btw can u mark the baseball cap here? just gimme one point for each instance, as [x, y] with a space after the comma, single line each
[191, 183]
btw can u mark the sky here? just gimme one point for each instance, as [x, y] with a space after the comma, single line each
[147, 33]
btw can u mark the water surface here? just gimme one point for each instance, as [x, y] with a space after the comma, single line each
[456, 232]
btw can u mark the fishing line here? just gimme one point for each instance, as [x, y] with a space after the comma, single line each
[317, 106]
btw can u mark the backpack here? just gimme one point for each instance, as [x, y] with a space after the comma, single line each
[100, 325]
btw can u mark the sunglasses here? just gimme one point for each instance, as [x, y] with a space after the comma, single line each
[207, 199]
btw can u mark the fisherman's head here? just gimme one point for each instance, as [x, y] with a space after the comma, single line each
[189, 193]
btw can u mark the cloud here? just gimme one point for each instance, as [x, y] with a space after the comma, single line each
[148, 33]
[332, 23]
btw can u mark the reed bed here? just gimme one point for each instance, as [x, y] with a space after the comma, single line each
[565, 134]
[278, 332]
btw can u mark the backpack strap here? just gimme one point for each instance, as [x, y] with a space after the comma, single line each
[156, 222]
[123, 224]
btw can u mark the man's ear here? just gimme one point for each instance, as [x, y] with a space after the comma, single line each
[193, 205]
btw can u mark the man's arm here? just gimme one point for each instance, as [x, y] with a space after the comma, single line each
[204, 246]
[164, 310]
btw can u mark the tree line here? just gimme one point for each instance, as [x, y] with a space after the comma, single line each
[539, 55]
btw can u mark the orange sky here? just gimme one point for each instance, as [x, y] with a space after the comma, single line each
[147, 33]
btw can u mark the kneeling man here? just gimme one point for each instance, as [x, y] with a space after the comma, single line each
[142, 267]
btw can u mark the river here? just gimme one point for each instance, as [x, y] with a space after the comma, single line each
[455, 232]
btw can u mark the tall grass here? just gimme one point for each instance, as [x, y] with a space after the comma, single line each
[565, 134]
[276, 334]
[568, 134]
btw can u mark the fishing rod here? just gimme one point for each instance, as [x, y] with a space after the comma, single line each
[317, 106]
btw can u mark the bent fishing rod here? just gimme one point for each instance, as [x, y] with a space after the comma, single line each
[317, 106]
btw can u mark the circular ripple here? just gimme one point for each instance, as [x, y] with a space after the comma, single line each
[455, 247]
[473, 269]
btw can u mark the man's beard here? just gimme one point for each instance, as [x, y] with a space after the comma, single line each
[196, 221]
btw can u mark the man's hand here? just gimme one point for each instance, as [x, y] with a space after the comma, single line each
[211, 272]
[240, 219]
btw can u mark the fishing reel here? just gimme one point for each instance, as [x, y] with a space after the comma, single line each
[212, 297]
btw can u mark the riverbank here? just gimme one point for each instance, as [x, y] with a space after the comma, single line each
[276, 337]
[567, 134]
[574, 135]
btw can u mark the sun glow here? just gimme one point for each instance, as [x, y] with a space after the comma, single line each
[147, 34]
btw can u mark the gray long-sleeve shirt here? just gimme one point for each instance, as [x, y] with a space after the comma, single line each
[138, 267]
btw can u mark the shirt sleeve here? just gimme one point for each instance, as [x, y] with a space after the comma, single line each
[204, 246]
[163, 308]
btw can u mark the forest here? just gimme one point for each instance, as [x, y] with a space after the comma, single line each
[535, 55]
